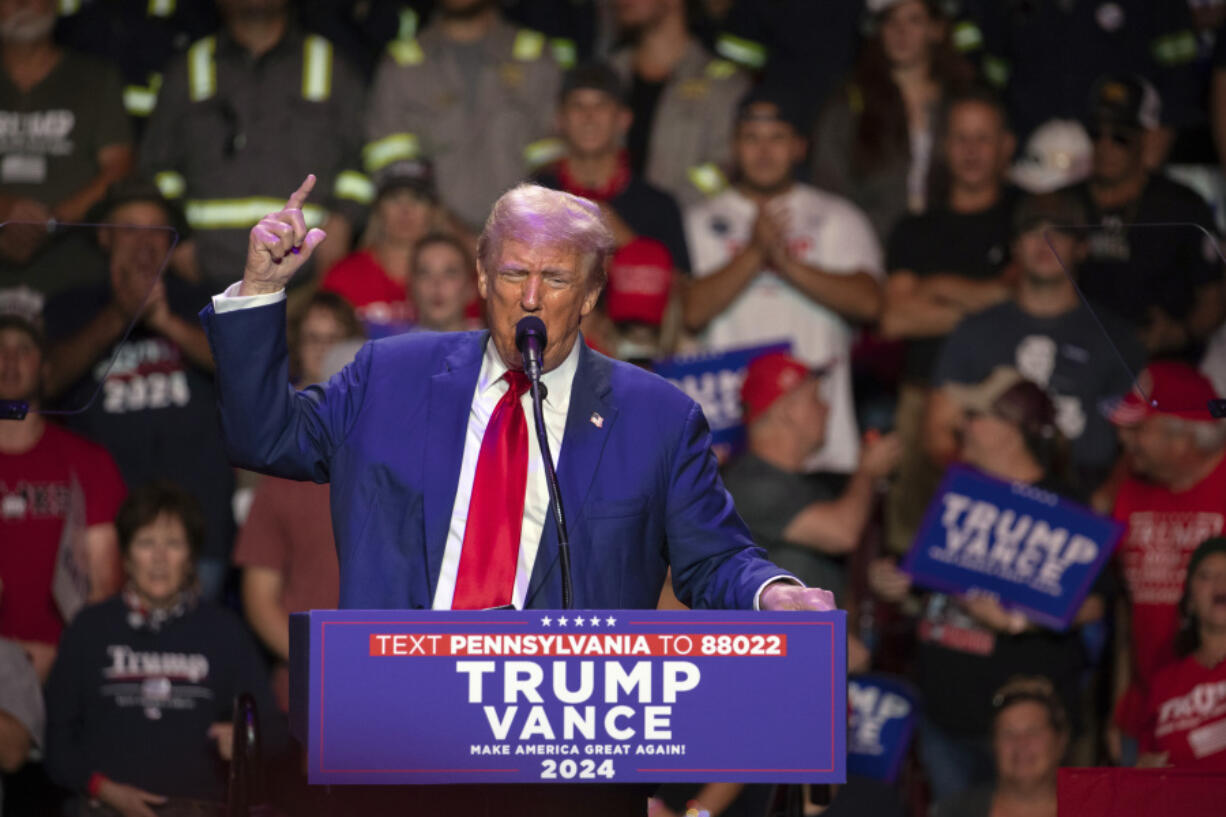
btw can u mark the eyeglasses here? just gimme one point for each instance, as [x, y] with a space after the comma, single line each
[1119, 135]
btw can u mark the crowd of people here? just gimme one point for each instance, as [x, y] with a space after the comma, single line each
[987, 232]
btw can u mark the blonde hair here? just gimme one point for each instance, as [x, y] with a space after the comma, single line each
[533, 214]
[1037, 689]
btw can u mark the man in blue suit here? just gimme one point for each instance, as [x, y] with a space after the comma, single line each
[438, 492]
[399, 435]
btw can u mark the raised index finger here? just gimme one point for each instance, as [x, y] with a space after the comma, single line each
[299, 196]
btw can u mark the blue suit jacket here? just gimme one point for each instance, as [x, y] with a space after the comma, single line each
[641, 491]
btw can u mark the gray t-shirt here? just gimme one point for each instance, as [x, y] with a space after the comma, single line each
[1069, 355]
[21, 695]
[768, 499]
[50, 136]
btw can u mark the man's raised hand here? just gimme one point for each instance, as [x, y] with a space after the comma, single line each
[279, 245]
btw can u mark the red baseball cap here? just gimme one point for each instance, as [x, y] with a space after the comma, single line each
[1165, 387]
[768, 378]
[640, 281]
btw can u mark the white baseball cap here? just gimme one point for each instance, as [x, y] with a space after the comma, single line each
[1058, 153]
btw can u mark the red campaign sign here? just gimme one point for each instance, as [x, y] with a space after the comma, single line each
[408, 645]
[1124, 792]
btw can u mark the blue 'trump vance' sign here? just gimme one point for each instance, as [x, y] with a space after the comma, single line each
[1037, 552]
[883, 716]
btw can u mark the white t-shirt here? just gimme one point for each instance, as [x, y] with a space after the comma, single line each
[825, 231]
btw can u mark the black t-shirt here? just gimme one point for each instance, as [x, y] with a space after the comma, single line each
[1069, 355]
[972, 245]
[50, 142]
[646, 209]
[960, 664]
[644, 99]
[156, 412]
[1129, 270]
[768, 499]
[136, 705]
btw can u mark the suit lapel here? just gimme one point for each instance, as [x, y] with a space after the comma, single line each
[451, 394]
[589, 422]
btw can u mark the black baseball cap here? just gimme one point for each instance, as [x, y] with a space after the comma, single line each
[415, 175]
[594, 75]
[1059, 209]
[766, 104]
[1127, 100]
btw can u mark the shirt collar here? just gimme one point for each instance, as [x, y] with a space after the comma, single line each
[558, 382]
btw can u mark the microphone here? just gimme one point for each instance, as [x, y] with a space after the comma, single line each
[530, 339]
[14, 409]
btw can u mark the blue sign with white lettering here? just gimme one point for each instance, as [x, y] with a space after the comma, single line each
[639, 696]
[883, 714]
[713, 381]
[1035, 551]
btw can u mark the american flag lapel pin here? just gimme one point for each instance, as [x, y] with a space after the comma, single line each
[597, 420]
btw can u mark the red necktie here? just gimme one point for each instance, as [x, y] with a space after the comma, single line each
[488, 557]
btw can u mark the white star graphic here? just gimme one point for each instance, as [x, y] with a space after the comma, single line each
[562, 621]
[610, 621]
[546, 621]
[578, 621]
[595, 621]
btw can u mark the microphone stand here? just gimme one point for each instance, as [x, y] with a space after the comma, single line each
[551, 480]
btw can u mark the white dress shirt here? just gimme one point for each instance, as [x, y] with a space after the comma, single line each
[489, 390]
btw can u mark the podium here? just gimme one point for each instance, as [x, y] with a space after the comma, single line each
[392, 697]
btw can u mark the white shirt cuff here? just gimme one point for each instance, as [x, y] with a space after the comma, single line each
[231, 301]
[757, 597]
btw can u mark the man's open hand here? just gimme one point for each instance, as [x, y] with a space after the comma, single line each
[279, 245]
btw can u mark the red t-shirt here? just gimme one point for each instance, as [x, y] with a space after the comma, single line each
[37, 489]
[378, 298]
[1163, 530]
[1186, 715]
[289, 530]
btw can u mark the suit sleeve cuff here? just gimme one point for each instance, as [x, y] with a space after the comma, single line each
[231, 301]
[757, 597]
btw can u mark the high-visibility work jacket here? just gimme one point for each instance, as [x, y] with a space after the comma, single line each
[690, 146]
[480, 142]
[139, 36]
[232, 136]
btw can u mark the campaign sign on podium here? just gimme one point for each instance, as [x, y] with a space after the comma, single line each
[632, 696]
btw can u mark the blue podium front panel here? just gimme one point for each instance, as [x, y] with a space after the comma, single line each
[395, 697]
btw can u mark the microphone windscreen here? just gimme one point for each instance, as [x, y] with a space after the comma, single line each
[530, 326]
